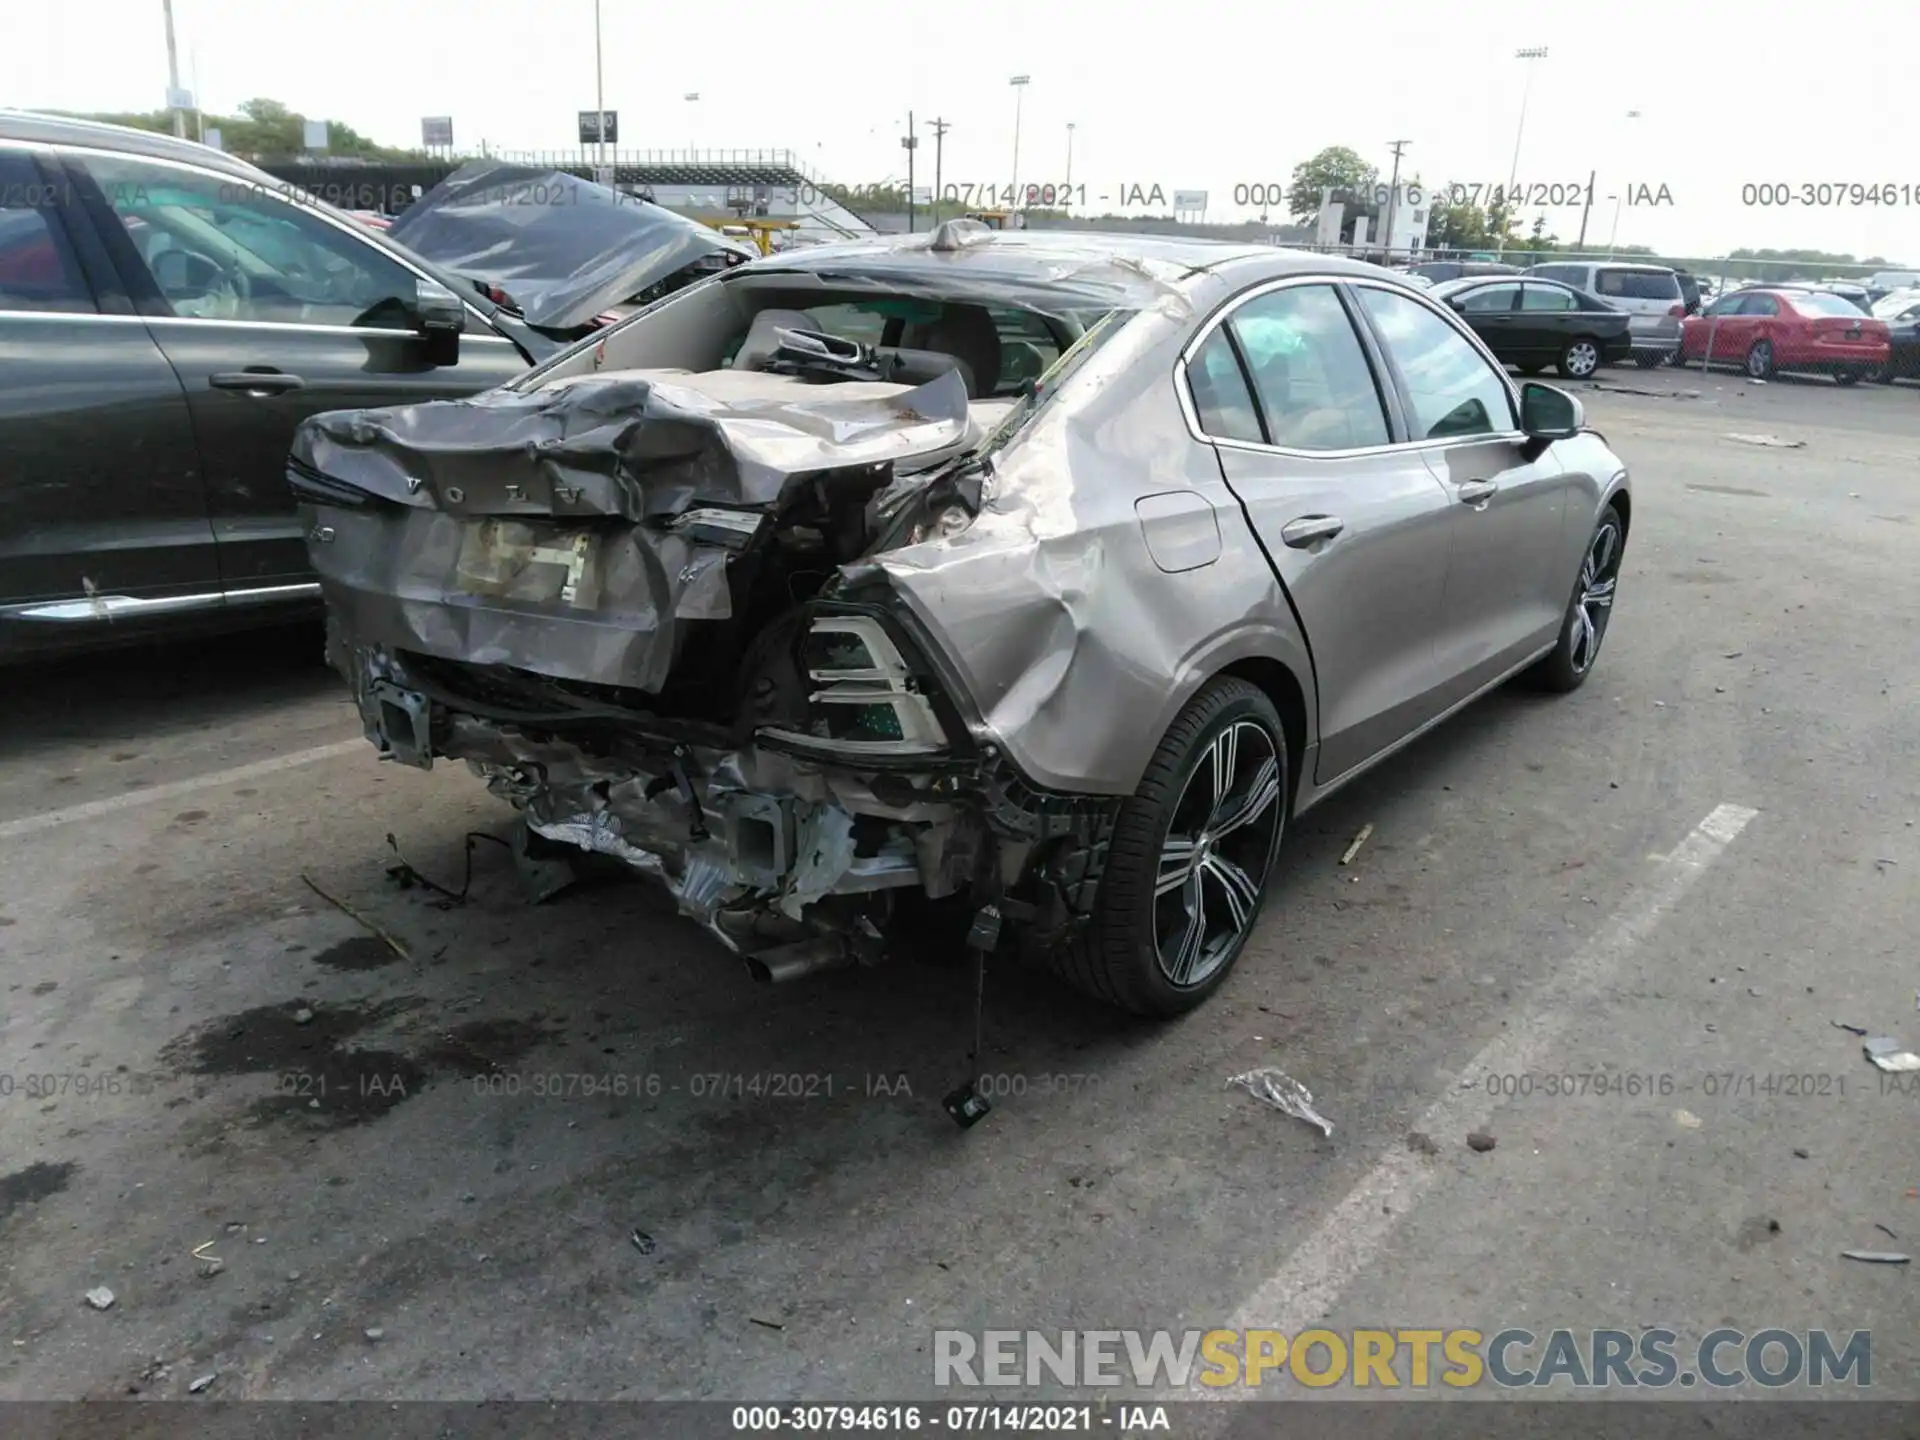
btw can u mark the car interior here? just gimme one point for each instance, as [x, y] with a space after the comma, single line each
[786, 325]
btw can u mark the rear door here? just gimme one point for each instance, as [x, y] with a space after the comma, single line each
[1546, 321]
[1354, 522]
[1493, 312]
[102, 514]
[1504, 597]
[269, 311]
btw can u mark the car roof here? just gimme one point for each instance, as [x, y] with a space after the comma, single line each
[1106, 267]
[38, 129]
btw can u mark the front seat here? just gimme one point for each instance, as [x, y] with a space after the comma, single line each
[763, 338]
[967, 333]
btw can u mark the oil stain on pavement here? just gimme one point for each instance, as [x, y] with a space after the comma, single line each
[32, 1185]
[320, 1081]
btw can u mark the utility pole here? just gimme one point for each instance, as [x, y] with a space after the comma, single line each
[1067, 205]
[1586, 209]
[910, 143]
[1393, 191]
[940, 128]
[173, 74]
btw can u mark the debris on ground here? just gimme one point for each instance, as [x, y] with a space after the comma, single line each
[1481, 1141]
[1877, 1257]
[203, 1382]
[1889, 1054]
[100, 1298]
[1850, 1029]
[765, 1324]
[303, 1016]
[1284, 1093]
[1799, 1154]
[1772, 442]
[374, 1332]
[362, 921]
[1358, 841]
[643, 1242]
[1422, 1144]
[1885, 1231]
[1686, 1119]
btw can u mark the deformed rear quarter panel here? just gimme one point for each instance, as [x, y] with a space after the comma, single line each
[1077, 649]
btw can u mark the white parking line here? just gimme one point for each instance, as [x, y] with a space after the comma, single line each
[32, 824]
[1358, 1228]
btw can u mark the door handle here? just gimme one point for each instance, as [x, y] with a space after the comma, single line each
[1477, 492]
[257, 382]
[1310, 530]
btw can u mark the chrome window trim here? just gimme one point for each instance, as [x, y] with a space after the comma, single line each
[286, 194]
[465, 337]
[114, 607]
[1190, 414]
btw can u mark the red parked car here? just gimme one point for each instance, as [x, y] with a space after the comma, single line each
[1767, 330]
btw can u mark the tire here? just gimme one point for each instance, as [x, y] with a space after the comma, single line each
[1138, 918]
[1648, 360]
[1589, 609]
[1760, 360]
[1580, 359]
[1851, 375]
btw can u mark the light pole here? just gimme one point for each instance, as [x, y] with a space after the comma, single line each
[1068, 205]
[693, 98]
[1019, 83]
[173, 75]
[599, 97]
[1614, 233]
[1529, 54]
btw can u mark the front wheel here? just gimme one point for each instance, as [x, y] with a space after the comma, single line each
[1568, 664]
[1580, 359]
[1190, 858]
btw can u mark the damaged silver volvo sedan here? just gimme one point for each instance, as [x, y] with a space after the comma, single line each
[1031, 577]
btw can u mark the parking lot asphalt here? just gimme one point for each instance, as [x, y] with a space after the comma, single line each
[519, 1151]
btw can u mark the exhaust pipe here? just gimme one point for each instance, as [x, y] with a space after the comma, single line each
[804, 957]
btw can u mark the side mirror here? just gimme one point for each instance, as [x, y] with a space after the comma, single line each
[438, 315]
[1549, 413]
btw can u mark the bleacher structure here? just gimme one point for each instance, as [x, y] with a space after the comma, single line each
[718, 185]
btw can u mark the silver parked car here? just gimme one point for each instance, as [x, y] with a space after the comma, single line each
[1650, 294]
[1037, 578]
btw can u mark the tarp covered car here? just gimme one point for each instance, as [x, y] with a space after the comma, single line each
[561, 250]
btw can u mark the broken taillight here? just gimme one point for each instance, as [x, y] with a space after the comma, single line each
[862, 695]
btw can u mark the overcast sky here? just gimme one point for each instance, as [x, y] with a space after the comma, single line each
[1209, 96]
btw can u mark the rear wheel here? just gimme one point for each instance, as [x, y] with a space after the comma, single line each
[1589, 609]
[1192, 851]
[1760, 360]
[1580, 359]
